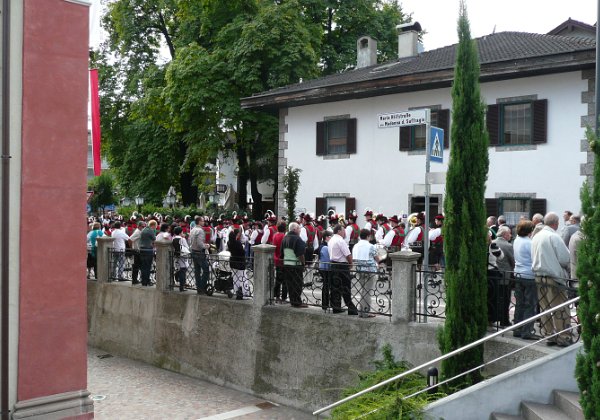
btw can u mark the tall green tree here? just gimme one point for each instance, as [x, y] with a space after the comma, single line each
[185, 104]
[588, 361]
[103, 188]
[465, 244]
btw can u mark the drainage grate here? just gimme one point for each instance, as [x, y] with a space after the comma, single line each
[266, 405]
[104, 356]
[98, 397]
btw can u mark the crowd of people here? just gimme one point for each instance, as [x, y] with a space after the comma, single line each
[195, 239]
[537, 264]
[540, 265]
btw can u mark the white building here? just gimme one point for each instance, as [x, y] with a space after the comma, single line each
[539, 92]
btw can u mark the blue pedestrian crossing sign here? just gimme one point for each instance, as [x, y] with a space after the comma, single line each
[436, 145]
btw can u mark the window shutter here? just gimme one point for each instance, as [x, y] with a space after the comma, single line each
[351, 136]
[350, 205]
[540, 112]
[320, 138]
[320, 204]
[443, 117]
[405, 133]
[492, 120]
[491, 207]
[538, 205]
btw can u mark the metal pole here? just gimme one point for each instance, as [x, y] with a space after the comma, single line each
[427, 192]
[597, 114]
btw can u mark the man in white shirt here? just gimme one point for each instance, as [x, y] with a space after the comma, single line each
[120, 238]
[365, 257]
[551, 260]
[341, 259]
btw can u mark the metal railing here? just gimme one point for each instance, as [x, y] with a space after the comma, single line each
[338, 288]
[126, 266]
[220, 277]
[547, 313]
[511, 297]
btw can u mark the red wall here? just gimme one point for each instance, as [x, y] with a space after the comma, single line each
[52, 312]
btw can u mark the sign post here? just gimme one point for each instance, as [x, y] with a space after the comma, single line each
[434, 144]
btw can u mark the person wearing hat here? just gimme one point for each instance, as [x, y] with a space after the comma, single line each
[352, 230]
[414, 238]
[308, 233]
[269, 232]
[369, 220]
[395, 237]
[436, 241]
[333, 220]
[383, 227]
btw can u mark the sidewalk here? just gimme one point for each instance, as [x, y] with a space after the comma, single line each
[127, 389]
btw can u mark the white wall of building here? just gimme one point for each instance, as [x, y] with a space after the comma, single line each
[381, 177]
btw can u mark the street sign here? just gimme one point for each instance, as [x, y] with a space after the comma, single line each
[402, 119]
[436, 178]
[436, 146]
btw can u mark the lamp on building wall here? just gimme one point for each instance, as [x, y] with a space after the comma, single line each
[139, 201]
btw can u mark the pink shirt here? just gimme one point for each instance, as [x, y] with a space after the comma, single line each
[338, 249]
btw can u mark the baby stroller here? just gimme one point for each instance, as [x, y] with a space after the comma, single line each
[221, 275]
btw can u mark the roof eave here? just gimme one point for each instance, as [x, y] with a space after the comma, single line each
[503, 70]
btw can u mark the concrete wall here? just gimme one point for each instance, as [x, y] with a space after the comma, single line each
[381, 177]
[302, 358]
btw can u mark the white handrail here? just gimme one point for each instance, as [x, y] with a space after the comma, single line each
[445, 356]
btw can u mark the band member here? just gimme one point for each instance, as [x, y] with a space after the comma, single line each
[369, 223]
[320, 226]
[436, 239]
[308, 234]
[383, 227]
[333, 220]
[414, 238]
[352, 230]
[270, 230]
[395, 237]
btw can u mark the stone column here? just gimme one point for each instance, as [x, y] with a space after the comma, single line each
[403, 285]
[163, 265]
[103, 243]
[263, 263]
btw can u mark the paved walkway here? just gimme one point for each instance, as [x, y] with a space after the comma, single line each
[127, 389]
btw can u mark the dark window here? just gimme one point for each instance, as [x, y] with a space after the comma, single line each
[417, 205]
[336, 137]
[515, 123]
[414, 137]
[513, 208]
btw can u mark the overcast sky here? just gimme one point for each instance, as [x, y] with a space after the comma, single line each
[438, 17]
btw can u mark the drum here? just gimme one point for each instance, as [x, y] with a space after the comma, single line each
[382, 252]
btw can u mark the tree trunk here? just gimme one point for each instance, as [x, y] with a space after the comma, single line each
[189, 192]
[243, 175]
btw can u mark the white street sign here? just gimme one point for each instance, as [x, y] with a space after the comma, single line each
[436, 177]
[402, 119]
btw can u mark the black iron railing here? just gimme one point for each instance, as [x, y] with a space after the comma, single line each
[126, 266]
[337, 288]
[511, 298]
[212, 273]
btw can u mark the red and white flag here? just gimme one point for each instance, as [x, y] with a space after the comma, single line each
[95, 98]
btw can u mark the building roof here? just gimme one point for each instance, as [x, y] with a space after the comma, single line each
[502, 55]
[572, 27]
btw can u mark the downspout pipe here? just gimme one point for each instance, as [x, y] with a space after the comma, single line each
[4, 209]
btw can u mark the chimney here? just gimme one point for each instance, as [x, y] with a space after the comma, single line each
[366, 52]
[408, 39]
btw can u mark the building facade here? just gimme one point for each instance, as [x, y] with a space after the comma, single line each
[539, 95]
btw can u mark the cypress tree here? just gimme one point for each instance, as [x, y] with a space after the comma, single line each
[588, 361]
[465, 232]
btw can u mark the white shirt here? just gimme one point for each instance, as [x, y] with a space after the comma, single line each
[434, 234]
[338, 249]
[304, 237]
[253, 237]
[120, 237]
[348, 233]
[368, 225]
[266, 234]
[549, 253]
[412, 235]
[388, 238]
[135, 238]
[379, 234]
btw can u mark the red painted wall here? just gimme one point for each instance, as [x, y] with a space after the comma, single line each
[52, 312]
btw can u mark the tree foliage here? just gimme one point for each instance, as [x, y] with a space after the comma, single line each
[103, 188]
[291, 183]
[465, 243]
[588, 361]
[165, 116]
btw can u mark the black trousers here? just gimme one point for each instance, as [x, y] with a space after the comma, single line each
[340, 286]
[135, 267]
[280, 290]
[293, 278]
